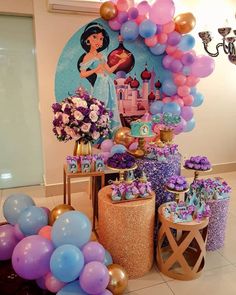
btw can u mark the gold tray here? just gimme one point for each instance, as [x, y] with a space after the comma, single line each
[123, 170]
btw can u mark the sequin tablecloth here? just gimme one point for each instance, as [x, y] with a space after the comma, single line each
[126, 230]
[217, 224]
[158, 173]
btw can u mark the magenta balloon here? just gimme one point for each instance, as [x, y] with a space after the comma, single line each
[8, 241]
[162, 11]
[93, 251]
[31, 257]
[143, 8]
[180, 127]
[106, 145]
[188, 59]
[133, 13]
[114, 24]
[173, 38]
[186, 113]
[94, 278]
[18, 233]
[53, 284]
[166, 61]
[176, 66]
[203, 66]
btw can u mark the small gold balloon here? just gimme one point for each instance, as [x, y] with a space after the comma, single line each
[57, 211]
[108, 10]
[122, 136]
[185, 22]
[118, 279]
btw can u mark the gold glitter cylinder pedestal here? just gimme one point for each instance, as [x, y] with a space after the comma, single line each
[126, 230]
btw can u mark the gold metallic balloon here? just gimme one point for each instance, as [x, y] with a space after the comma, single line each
[118, 279]
[122, 136]
[57, 211]
[108, 10]
[185, 22]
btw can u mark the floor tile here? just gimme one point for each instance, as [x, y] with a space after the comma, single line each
[219, 281]
[215, 260]
[161, 289]
[150, 279]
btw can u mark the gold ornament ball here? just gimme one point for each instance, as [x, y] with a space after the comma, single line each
[108, 10]
[118, 279]
[57, 211]
[122, 136]
[185, 22]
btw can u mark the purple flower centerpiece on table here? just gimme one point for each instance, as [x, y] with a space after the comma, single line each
[121, 161]
[81, 117]
[177, 183]
[200, 163]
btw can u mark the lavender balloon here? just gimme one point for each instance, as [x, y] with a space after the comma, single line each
[93, 251]
[133, 13]
[8, 241]
[173, 38]
[31, 257]
[122, 17]
[186, 113]
[94, 278]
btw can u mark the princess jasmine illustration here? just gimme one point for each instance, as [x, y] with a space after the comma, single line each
[93, 66]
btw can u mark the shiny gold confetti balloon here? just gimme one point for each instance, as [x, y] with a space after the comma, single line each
[108, 10]
[118, 279]
[122, 136]
[57, 211]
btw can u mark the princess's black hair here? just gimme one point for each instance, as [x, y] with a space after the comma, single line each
[90, 29]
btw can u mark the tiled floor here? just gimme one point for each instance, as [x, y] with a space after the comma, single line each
[219, 277]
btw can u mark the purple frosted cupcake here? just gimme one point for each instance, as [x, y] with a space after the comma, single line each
[177, 183]
[200, 163]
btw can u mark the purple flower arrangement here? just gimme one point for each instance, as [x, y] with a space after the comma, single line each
[200, 163]
[121, 161]
[155, 152]
[80, 116]
[177, 183]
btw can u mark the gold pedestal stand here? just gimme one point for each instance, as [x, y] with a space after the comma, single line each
[177, 194]
[140, 152]
[122, 171]
[197, 172]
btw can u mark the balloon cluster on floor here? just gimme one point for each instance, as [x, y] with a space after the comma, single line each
[169, 37]
[60, 256]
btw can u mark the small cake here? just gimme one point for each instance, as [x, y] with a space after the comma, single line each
[177, 183]
[121, 161]
[141, 128]
[200, 163]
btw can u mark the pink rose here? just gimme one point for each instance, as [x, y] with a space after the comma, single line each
[69, 131]
[93, 116]
[65, 118]
[78, 115]
[95, 135]
[58, 129]
[94, 107]
[86, 127]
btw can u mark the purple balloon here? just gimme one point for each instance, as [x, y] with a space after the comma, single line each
[173, 38]
[143, 7]
[188, 59]
[114, 24]
[106, 292]
[176, 66]
[203, 66]
[106, 145]
[166, 61]
[31, 257]
[8, 241]
[180, 127]
[93, 251]
[187, 113]
[133, 13]
[94, 278]
[122, 17]
[18, 233]
[159, 29]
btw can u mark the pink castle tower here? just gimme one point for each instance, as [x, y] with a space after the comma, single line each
[146, 76]
[134, 84]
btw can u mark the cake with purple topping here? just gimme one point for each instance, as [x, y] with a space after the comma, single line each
[177, 183]
[198, 163]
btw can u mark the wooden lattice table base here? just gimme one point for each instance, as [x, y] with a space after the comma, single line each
[181, 248]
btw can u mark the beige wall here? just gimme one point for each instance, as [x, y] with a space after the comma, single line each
[214, 134]
[16, 7]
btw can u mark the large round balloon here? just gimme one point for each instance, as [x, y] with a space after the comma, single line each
[31, 257]
[8, 241]
[162, 11]
[73, 228]
[31, 220]
[66, 263]
[118, 279]
[203, 66]
[108, 10]
[13, 206]
[122, 136]
[185, 22]
[58, 211]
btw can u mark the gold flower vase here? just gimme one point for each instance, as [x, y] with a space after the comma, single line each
[82, 148]
[167, 135]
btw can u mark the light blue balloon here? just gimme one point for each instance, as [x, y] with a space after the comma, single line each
[129, 30]
[31, 220]
[147, 28]
[172, 107]
[66, 263]
[193, 90]
[118, 149]
[158, 49]
[198, 99]
[14, 205]
[169, 87]
[73, 228]
[190, 125]
[187, 42]
[72, 289]
[108, 259]
[156, 107]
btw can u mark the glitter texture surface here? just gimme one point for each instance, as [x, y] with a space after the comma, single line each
[217, 224]
[126, 230]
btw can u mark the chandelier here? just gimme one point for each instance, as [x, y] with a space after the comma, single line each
[227, 43]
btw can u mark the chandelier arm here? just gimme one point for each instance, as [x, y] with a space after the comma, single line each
[232, 50]
[217, 50]
[225, 47]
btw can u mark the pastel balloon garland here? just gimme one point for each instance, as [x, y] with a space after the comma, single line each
[169, 36]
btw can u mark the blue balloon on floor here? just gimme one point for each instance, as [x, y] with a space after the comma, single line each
[73, 228]
[108, 259]
[32, 219]
[66, 263]
[72, 289]
[14, 205]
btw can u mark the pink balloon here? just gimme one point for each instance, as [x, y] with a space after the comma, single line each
[166, 61]
[166, 99]
[41, 283]
[192, 81]
[169, 27]
[133, 146]
[18, 233]
[187, 113]
[114, 24]
[183, 90]
[140, 19]
[143, 8]
[188, 100]
[151, 41]
[176, 66]
[179, 79]
[203, 66]
[53, 284]
[170, 49]
[106, 145]
[162, 38]
[162, 11]
[45, 232]
[106, 155]
[122, 5]
[178, 54]
[180, 127]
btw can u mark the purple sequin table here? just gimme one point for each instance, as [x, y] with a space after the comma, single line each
[217, 224]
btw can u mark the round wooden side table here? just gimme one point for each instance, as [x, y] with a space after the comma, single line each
[126, 230]
[181, 247]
